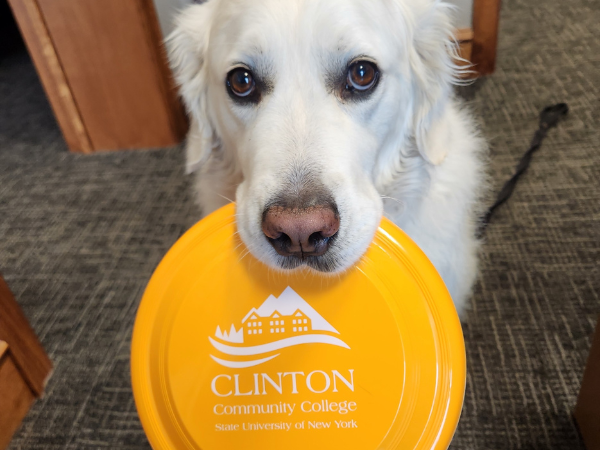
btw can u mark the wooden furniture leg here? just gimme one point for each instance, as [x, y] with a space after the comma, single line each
[587, 411]
[486, 18]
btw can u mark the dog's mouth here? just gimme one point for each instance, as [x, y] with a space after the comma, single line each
[325, 264]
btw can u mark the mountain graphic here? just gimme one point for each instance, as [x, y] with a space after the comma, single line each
[279, 323]
[288, 303]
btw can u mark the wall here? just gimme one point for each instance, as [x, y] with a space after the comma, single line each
[464, 13]
[167, 9]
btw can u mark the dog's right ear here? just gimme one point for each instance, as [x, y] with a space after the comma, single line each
[187, 47]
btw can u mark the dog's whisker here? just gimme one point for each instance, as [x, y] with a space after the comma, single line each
[223, 196]
[238, 246]
[385, 197]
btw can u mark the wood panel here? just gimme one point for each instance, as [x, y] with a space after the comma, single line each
[15, 395]
[25, 348]
[587, 412]
[486, 17]
[49, 69]
[111, 57]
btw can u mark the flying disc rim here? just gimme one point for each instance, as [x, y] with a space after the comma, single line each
[400, 248]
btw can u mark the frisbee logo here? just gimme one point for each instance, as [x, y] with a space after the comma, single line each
[279, 323]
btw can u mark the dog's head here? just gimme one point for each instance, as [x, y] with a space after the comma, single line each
[316, 104]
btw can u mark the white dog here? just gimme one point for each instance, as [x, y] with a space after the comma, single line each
[319, 116]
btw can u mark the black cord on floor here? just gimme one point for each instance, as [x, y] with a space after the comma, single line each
[549, 118]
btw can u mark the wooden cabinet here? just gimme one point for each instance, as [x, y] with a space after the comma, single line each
[104, 70]
[15, 396]
[24, 366]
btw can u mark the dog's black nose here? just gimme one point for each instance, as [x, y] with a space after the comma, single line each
[301, 232]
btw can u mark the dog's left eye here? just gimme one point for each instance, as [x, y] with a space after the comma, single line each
[362, 76]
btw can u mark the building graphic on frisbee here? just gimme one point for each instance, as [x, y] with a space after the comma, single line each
[279, 323]
[259, 329]
[286, 316]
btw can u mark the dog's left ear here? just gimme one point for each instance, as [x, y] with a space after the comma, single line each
[434, 72]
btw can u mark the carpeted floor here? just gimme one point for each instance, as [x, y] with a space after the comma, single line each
[80, 236]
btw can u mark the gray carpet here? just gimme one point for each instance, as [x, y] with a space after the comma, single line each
[80, 236]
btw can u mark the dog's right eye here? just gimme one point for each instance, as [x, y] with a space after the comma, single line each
[241, 84]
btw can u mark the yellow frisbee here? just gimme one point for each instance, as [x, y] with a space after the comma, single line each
[228, 354]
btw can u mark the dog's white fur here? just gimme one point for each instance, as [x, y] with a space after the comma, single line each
[409, 151]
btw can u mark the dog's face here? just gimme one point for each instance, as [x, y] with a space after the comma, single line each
[312, 103]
